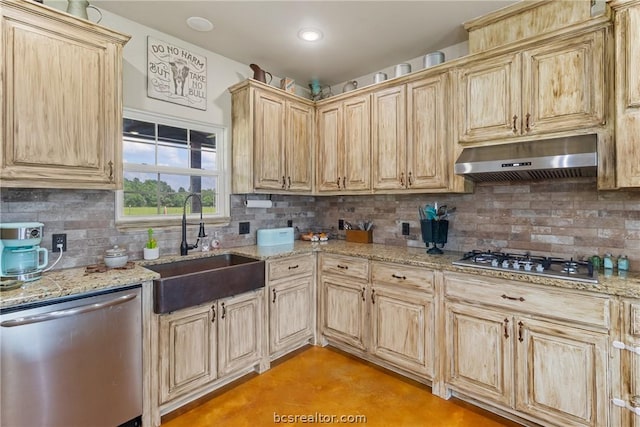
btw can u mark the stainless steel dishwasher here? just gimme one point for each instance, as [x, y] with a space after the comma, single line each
[76, 362]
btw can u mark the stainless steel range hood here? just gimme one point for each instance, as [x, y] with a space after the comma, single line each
[569, 157]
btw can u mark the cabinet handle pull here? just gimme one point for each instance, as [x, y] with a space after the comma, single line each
[362, 293]
[338, 182]
[293, 267]
[224, 311]
[515, 127]
[110, 171]
[289, 179]
[213, 312]
[344, 267]
[344, 182]
[520, 326]
[527, 128]
[512, 298]
[410, 181]
[284, 184]
[274, 295]
[506, 327]
[395, 276]
[373, 296]
[402, 178]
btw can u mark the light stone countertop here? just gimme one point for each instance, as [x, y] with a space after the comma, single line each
[75, 281]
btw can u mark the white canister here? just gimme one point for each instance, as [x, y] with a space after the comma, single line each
[379, 77]
[433, 58]
[402, 69]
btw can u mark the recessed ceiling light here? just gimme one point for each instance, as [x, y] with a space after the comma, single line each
[199, 24]
[310, 34]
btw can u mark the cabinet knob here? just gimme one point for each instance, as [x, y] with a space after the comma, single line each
[515, 126]
[527, 128]
[410, 180]
[110, 171]
[213, 313]
[338, 182]
[520, 330]
[224, 311]
[506, 327]
[289, 178]
[274, 295]
[402, 178]
[284, 184]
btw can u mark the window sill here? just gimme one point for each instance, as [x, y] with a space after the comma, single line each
[143, 224]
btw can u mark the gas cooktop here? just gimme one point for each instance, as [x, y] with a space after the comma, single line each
[558, 268]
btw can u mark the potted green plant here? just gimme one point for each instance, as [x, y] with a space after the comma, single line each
[151, 250]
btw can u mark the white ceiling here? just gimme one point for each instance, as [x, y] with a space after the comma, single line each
[359, 36]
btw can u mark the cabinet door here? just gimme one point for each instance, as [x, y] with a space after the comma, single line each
[427, 147]
[269, 139]
[627, 94]
[329, 137]
[489, 99]
[298, 147]
[356, 148]
[240, 331]
[187, 351]
[61, 102]
[402, 328]
[291, 313]
[562, 373]
[343, 311]
[480, 352]
[388, 124]
[563, 85]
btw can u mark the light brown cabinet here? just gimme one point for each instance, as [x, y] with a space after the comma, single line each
[272, 140]
[388, 320]
[61, 100]
[627, 93]
[626, 408]
[501, 339]
[292, 303]
[199, 345]
[410, 138]
[344, 146]
[555, 86]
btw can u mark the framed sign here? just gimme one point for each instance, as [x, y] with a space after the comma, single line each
[176, 75]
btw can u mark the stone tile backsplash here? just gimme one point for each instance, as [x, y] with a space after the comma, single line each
[565, 218]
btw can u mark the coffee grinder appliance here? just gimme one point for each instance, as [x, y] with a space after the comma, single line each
[21, 257]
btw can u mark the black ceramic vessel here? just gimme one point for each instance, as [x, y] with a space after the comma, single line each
[434, 232]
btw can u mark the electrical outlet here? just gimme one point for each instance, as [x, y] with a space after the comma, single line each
[289, 223]
[243, 228]
[341, 224]
[58, 239]
[405, 228]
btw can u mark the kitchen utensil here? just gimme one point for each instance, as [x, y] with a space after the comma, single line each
[434, 232]
[116, 257]
[402, 69]
[260, 74]
[349, 86]
[433, 58]
[379, 77]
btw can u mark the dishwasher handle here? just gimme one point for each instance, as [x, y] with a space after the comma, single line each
[66, 313]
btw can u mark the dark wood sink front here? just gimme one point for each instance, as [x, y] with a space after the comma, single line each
[196, 281]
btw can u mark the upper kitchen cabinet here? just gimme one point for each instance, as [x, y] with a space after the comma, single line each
[411, 149]
[627, 97]
[61, 99]
[551, 86]
[272, 134]
[344, 146]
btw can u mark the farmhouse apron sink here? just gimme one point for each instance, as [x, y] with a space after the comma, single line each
[193, 282]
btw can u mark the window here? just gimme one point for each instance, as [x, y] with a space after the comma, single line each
[166, 159]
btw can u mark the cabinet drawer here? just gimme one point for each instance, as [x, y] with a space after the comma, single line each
[526, 298]
[290, 266]
[402, 275]
[357, 268]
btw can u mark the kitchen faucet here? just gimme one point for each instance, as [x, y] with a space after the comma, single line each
[184, 246]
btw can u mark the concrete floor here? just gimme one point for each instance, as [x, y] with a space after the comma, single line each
[325, 383]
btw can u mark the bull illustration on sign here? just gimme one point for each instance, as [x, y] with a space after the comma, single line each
[176, 75]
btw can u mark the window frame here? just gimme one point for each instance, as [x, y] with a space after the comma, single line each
[223, 173]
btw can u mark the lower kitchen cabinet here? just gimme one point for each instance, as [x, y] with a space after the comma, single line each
[554, 358]
[292, 303]
[389, 320]
[626, 408]
[344, 282]
[188, 355]
[203, 344]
